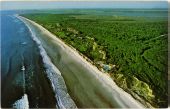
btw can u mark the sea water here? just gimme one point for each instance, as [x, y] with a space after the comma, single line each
[17, 50]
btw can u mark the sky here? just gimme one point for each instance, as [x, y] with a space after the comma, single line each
[50, 4]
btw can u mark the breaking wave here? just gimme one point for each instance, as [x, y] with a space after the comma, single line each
[54, 75]
[22, 103]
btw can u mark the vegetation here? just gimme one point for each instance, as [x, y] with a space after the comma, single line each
[133, 50]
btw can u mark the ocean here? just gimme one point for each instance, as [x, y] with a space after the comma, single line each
[19, 52]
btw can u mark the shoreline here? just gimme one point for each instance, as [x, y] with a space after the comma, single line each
[101, 76]
[53, 74]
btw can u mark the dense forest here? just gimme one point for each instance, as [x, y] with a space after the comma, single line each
[132, 50]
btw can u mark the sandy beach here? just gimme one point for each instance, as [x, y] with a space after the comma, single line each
[99, 89]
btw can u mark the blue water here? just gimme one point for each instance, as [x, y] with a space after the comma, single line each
[17, 50]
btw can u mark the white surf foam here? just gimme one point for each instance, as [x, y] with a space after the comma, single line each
[63, 98]
[22, 103]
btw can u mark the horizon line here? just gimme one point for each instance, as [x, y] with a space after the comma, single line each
[72, 8]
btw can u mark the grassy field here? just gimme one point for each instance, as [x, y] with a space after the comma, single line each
[133, 50]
